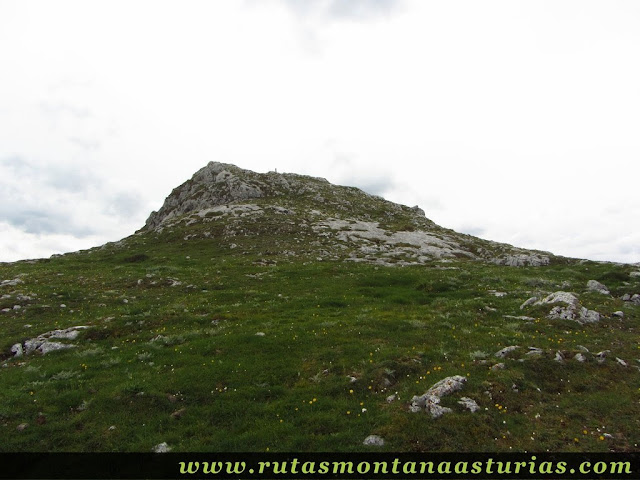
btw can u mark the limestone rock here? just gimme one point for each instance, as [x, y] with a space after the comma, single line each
[601, 356]
[433, 407]
[469, 404]
[43, 344]
[621, 362]
[523, 260]
[374, 440]
[447, 386]
[162, 448]
[580, 357]
[506, 351]
[572, 310]
[595, 286]
[559, 297]
[528, 302]
[430, 400]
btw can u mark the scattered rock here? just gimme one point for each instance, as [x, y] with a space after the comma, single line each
[580, 358]
[535, 351]
[162, 448]
[392, 398]
[619, 314]
[374, 440]
[523, 260]
[528, 302]
[601, 356]
[505, 351]
[47, 347]
[430, 400]
[469, 404]
[520, 317]
[498, 366]
[178, 414]
[595, 286]
[582, 348]
[112, 428]
[447, 385]
[43, 344]
[622, 362]
[572, 311]
[22, 427]
[260, 334]
[432, 406]
[12, 283]
[634, 274]
[559, 357]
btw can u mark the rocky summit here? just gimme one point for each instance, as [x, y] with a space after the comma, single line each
[347, 223]
[278, 312]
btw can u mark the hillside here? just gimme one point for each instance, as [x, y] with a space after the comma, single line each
[279, 312]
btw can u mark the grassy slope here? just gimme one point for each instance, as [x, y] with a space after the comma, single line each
[191, 350]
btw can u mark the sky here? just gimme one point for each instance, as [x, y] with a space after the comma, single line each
[515, 121]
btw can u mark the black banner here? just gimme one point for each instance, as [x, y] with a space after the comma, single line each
[320, 465]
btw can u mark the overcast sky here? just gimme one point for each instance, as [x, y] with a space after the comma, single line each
[516, 121]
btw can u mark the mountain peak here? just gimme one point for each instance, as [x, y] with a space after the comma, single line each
[340, 223]
[222, 183]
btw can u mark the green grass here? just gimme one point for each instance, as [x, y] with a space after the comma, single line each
[173, 355]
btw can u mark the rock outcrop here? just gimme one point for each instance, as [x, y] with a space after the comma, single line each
[571, 310]
[430, 400]
[353, 225]
[44, 343]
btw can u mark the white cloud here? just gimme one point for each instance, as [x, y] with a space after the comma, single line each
[514, 119]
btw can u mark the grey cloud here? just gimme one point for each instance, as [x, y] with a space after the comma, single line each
[55, 109]
[472, 230]
[85, 143]
[124, 204]
[70, 178]
[40, 199]
[344, 9]
[373, 185]
[361, 9]
[42, 219]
